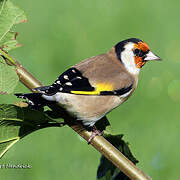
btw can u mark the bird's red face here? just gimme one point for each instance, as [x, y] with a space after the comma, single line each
[140, 50]
[142, 54]
[134, 53]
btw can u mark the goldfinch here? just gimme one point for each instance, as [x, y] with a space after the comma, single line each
[92, 88]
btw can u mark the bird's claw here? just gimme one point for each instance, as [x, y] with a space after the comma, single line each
[95, 132]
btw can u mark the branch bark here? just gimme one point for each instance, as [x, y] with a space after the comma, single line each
[99, 142]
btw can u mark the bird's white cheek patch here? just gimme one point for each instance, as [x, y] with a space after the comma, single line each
[129, 63]
[127, 57]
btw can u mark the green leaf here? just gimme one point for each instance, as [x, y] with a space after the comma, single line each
[106, 170]
[9, 42]
[17, 122]
[8, 77]
[9, 16]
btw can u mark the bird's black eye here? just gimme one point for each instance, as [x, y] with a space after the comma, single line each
[136, 52]
[139, 53]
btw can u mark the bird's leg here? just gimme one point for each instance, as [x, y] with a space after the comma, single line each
[95, 132]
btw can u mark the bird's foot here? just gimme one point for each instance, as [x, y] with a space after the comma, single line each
[95, 132]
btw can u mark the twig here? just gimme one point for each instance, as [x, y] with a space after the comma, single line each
[99, 142]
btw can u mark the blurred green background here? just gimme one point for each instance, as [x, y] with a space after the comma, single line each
[61, 33]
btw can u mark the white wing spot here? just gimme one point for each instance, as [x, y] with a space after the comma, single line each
[69, 83]
[73, 71]
[60, 88]
[30, 102]
[58, 82]
[66, 77]
[78, 77]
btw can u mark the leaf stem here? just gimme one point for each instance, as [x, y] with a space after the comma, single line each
[99, 142]
[10, 60]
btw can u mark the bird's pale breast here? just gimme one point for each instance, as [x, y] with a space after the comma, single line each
[88, 108]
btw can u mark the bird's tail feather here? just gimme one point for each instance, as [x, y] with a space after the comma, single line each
[35, 100]
[48, 90]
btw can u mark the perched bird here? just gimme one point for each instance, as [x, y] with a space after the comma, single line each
[95, 86]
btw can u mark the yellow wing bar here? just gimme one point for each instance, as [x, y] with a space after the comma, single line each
[99, 88]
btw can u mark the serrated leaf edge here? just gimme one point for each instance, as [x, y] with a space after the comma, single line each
[11, 26]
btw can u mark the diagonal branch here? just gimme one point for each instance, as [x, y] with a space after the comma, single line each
[99, 142]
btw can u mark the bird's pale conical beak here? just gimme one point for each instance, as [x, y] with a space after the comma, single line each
[151, 57]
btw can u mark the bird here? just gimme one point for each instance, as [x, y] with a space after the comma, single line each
[95, 86]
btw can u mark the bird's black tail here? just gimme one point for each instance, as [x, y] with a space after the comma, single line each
[35, 100]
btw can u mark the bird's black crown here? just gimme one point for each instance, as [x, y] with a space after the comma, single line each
[119, 47]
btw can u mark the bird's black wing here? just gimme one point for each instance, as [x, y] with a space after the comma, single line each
[72, 81]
